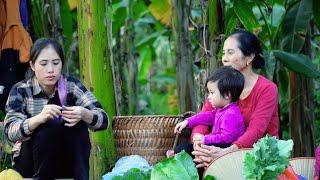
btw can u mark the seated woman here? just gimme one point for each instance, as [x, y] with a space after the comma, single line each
[48, 116]
[258, 101]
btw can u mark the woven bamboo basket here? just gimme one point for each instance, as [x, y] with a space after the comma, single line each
[303, 166]
[149, 136]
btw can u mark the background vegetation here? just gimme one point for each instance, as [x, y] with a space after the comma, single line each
[159, 53]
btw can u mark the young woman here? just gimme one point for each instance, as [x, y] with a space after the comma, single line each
[258, 101]
[48, 116]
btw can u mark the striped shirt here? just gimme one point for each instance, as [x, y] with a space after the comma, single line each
[26, 99]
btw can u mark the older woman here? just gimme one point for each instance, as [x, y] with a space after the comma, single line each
[48, 116]
[258, 101]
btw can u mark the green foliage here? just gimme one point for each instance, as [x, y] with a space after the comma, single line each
[178, 167]
[134, 174]
[38, 16]
[246, 16]
[161, 10]
[298, 63]
[268, 159]
[295, 26]
[5, 148]
[68, 21]
[209, 177]
[2, 115]
[230, 22]
[316, 12]
[269, 20]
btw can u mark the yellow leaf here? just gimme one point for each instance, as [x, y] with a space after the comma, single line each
[72, 4]
[161, 10]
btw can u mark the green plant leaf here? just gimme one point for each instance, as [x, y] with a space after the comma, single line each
[139, 9]
[171, 168]
[277, 15]
[283, 81]
[161, 10]
[145, 63]
[268, 159]
[149, 38]
[134, 174]
[298, 63]
[119, 17]
[188, 164]
[179, 167]
[295, 26]
[285, 147]
[244, 12]
[269, 64]
[231, 22]
[67, 22]
[209, 177]
[316, 12]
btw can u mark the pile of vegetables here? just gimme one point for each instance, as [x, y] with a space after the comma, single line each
[268, 159]
[178, 167]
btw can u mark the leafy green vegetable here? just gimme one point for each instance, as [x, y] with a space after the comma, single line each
[134, 174]
[209, 177]
[268, 159]
[179, 167]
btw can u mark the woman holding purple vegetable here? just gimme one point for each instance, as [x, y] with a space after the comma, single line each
[48, 116]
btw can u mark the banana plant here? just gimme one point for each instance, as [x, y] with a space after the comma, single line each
[152, 53]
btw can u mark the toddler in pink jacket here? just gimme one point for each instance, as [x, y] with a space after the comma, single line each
[224, 89]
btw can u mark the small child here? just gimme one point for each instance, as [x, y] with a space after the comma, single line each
[224, 89]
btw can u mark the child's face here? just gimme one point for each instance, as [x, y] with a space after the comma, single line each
[214, 96]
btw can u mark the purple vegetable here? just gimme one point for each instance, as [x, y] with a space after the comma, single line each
[62, 90]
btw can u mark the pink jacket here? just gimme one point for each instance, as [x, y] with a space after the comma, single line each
[227, 122]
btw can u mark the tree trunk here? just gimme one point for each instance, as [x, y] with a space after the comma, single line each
[120, 65]
[215, 21]
[96, 73]
[132, 62]
[185, 78]
[301, 113]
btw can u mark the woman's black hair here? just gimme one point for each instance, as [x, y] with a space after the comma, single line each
[230, 82]
[249, 44]
[41, 44]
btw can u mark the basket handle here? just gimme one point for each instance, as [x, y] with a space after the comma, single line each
[175, 141]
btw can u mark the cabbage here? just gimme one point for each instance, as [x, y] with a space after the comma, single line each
[268, 159]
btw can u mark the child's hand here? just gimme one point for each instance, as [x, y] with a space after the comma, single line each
[180, 126]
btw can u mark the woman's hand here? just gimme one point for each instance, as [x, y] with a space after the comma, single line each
[204, 154]
[180, 126]
[49, 111]
[73, 114]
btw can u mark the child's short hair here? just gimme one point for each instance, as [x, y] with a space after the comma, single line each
[230, 82]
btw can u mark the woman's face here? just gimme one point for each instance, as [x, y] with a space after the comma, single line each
[233, 56]
[47, 67]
